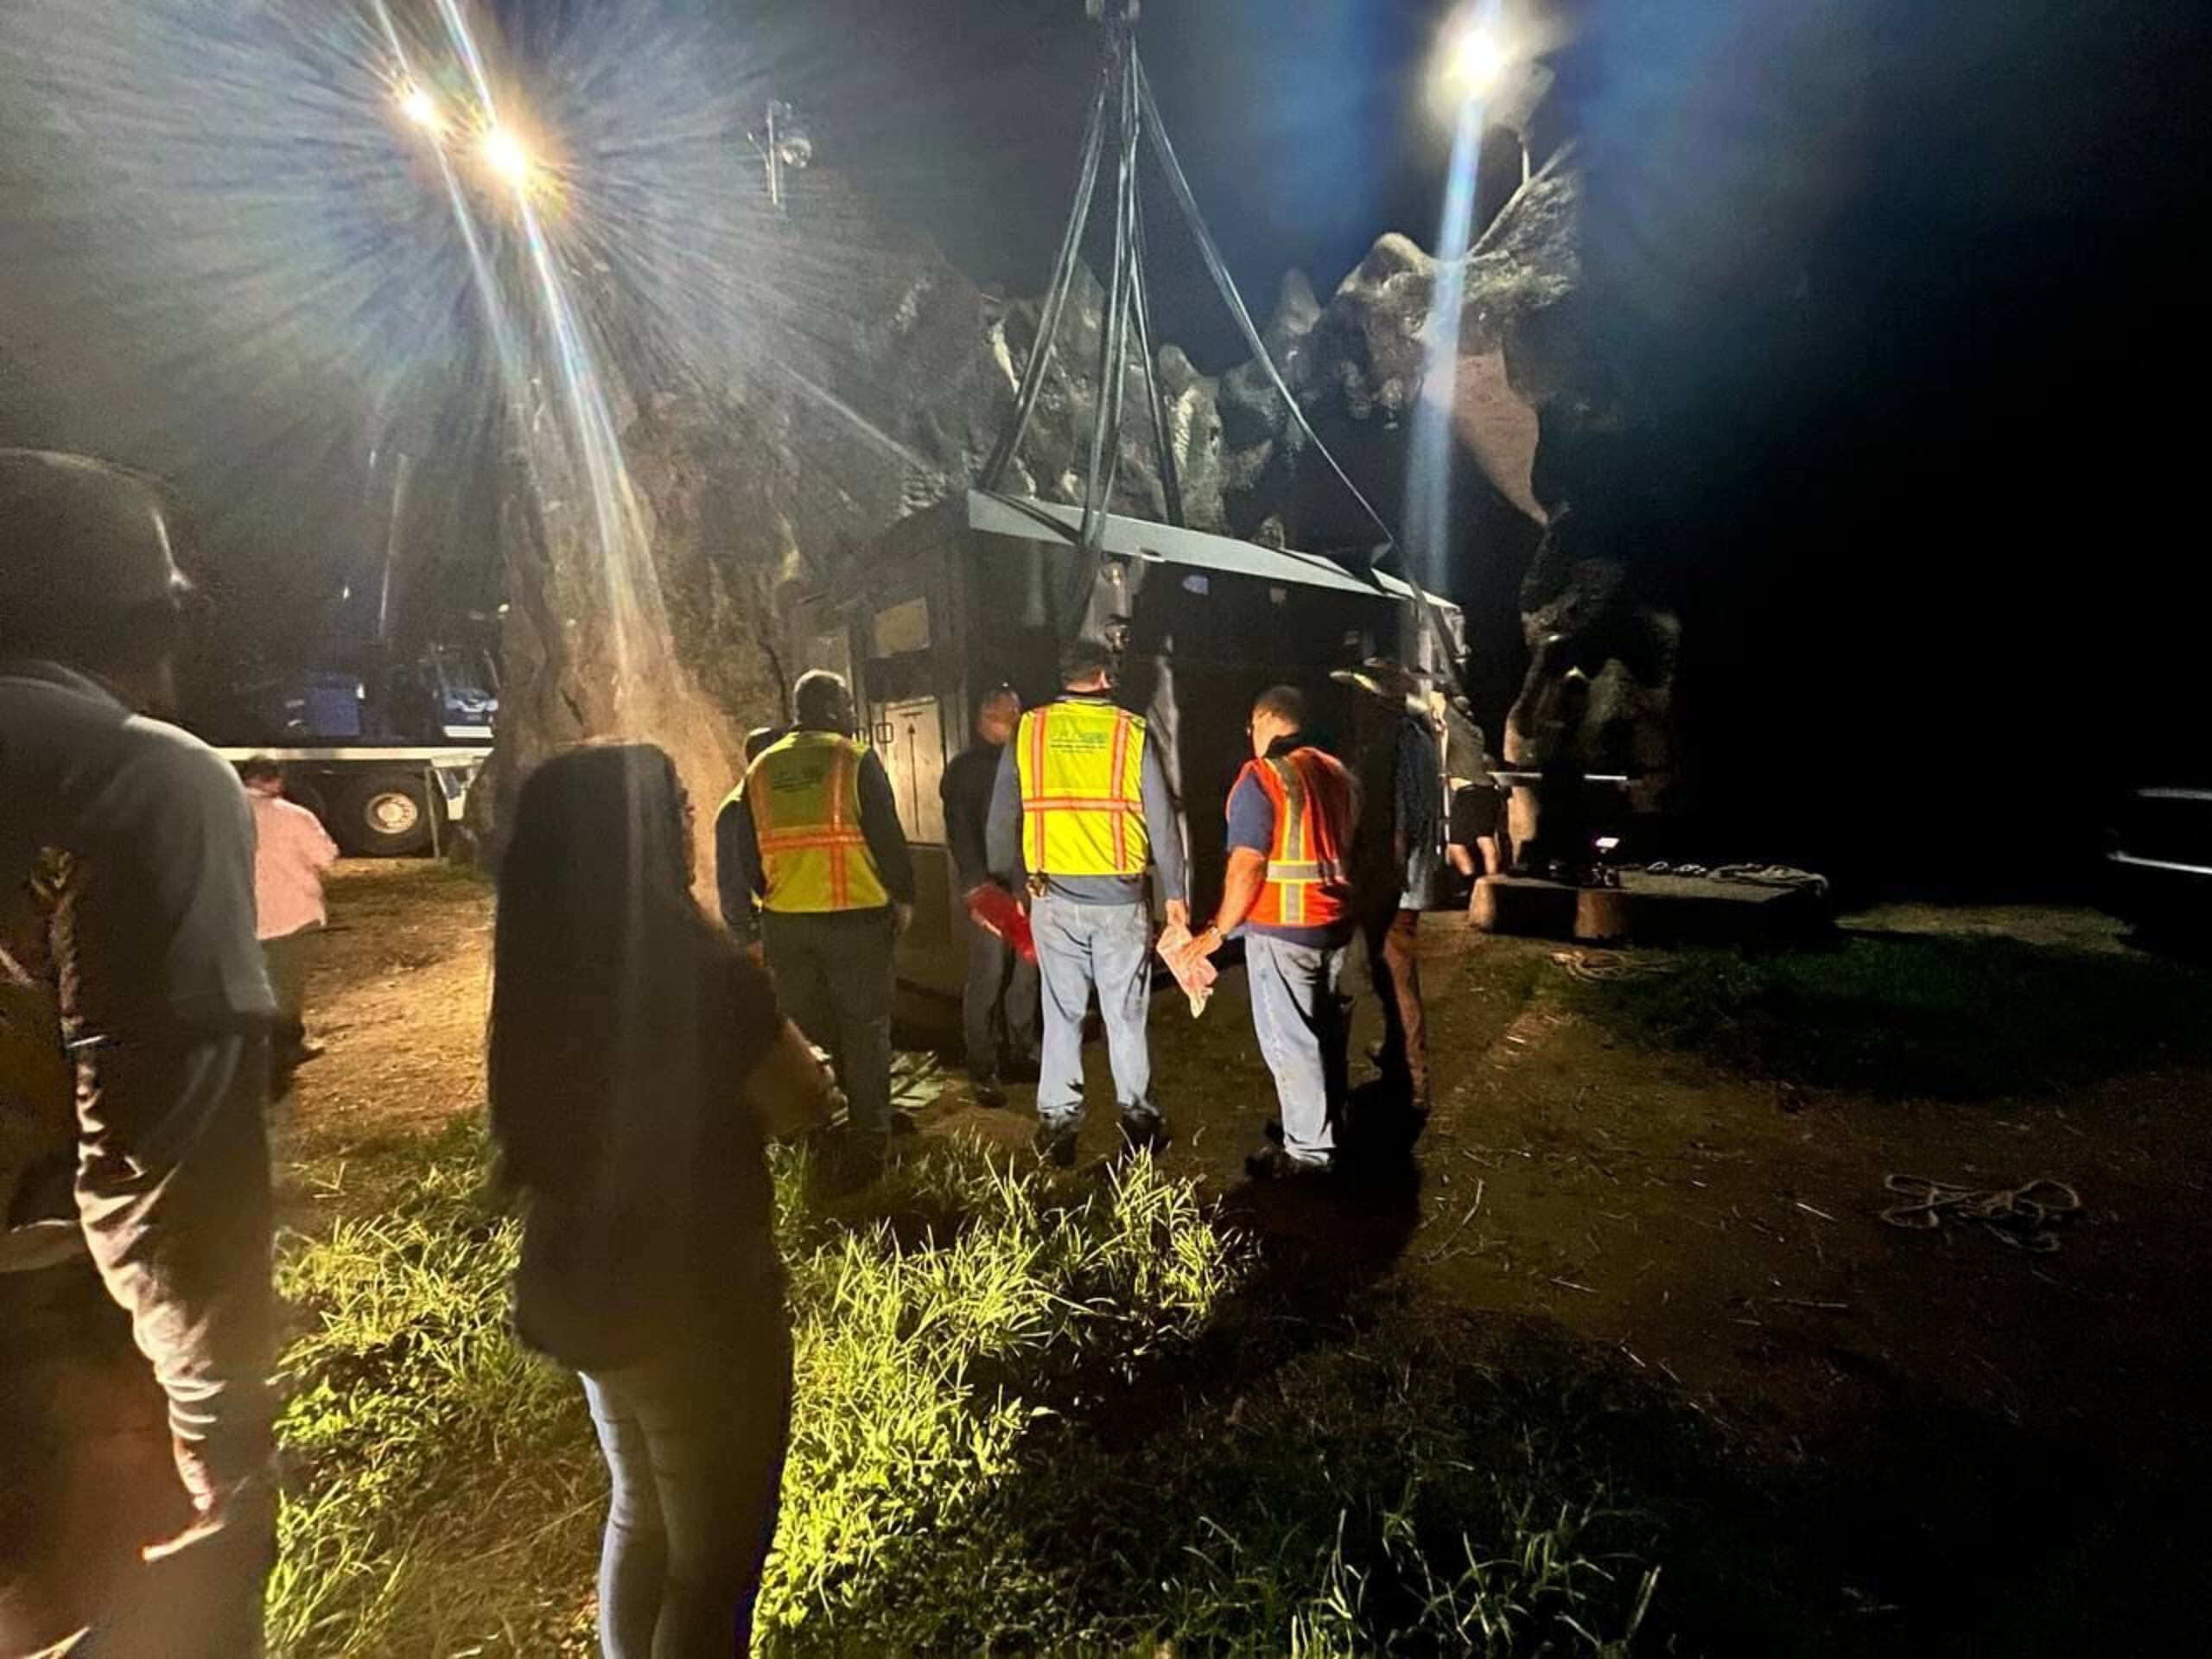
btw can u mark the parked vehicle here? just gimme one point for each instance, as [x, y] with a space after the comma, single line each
[2157, 861]
[383, 759]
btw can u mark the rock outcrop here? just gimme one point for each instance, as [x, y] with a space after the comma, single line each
[795, 459]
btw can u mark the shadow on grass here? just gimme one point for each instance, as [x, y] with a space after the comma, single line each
[1330, 1467]
[1086, 1417]
[1318, 1468]
[1906, 1015]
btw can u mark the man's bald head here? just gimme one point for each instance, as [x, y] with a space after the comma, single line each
[997, 714]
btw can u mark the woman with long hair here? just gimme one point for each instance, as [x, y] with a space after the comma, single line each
[638, 1063]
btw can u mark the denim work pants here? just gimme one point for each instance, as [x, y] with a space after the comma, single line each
[833, 976]
[694, 1442]
[1080, 947]
[1302, 1020]
[999, 1005]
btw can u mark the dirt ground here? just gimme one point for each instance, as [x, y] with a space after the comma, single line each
[1948, 1421]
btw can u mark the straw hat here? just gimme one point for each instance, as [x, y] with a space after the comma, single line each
[1387, 678]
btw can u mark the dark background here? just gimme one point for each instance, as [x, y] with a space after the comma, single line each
[1910, 294]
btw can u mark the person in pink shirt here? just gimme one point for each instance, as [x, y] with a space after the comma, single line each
[291, 851]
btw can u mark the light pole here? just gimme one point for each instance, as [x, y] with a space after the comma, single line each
[782, 145]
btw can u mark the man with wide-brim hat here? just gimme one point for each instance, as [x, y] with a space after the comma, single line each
[1396, 853]
[135, 1296]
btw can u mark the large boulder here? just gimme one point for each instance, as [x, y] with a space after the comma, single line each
[794, 455]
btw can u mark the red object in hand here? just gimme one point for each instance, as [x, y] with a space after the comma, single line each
[994, 907]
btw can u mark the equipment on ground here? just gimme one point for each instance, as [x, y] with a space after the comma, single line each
[2021, 1217]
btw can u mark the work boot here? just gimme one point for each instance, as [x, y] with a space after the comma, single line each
[1144, 1132]
[848, 1162]
[1271, 1163]
[986, 1090]
[1055, 1145]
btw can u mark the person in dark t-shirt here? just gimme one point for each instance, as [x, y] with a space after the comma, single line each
[638, 1061]
[135, 1300]
[998, 1004]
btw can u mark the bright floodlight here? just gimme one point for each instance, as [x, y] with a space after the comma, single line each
[505, 154]
[422, 109]
[1476, 58]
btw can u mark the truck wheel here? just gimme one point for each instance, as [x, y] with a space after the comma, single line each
[385, 815]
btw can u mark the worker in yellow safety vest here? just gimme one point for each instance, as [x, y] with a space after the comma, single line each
[813, 863]
[1081, 809]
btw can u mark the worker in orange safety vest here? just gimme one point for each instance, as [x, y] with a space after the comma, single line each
[1290, 816]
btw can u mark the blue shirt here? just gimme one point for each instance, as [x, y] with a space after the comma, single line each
[1252, 829]
[1160, 822]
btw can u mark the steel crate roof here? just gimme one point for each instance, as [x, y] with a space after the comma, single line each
[1027, 519]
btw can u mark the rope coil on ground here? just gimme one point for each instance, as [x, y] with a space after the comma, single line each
[1599, 966]
[2021, 1217]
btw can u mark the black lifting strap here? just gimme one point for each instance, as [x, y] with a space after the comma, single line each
[1235, 302]
[1157, 131]
[1048, 320]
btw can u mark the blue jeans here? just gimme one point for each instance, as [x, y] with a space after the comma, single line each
[694, 1444]
[833, 977]
[1302, 1019]
[999, 1005]
[1080, 947]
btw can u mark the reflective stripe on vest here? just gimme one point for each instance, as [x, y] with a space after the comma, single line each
[1307, 884]
[1082, 770]
[804, 793]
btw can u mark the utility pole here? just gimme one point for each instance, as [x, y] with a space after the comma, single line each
[783, 147]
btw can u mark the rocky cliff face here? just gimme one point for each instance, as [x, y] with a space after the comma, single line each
[791, 461]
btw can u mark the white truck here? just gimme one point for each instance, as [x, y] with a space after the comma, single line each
[378, 801]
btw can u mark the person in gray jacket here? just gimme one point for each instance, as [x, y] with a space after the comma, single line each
[135, 1013]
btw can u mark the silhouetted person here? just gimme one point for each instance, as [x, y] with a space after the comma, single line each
[1394, 856]
[1474, 821]
[999, 1002]
[1566, 833]
[134, 1048]
[638, 1061]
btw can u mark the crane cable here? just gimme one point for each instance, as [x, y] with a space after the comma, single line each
[1157, 131]
[1048, 320]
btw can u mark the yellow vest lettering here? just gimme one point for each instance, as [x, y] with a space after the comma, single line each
[1082, 771]
[804, 793]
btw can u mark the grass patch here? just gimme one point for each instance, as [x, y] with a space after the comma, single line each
[1075, 1419]
[1956, 1019]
